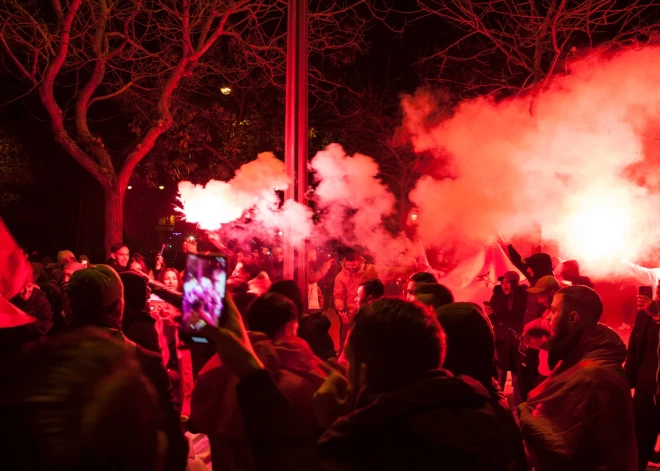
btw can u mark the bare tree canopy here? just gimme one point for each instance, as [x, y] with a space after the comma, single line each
[83, 54]
[514, 45]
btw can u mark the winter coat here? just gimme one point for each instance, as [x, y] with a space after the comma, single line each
[214, 409]
[438, 421]
[140, 327]
[37, 306]
[581, 416]
[642, 360]
[314, 329]
[505, 319]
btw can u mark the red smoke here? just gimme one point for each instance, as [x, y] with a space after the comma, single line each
[574, 169]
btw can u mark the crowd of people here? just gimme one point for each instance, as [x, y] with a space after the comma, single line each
[95, 376]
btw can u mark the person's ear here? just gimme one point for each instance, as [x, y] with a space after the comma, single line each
[573, 318]
[113, 256]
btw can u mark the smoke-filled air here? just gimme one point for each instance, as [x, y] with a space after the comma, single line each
[573, 170]
[584, 172]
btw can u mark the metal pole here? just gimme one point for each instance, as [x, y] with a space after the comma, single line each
[296, 131]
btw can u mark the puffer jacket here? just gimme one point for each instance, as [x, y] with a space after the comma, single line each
[581, 416]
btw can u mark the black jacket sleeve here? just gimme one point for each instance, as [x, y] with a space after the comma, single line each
[177, 445]
[516, 259]
[172, 297]
[632, 359]
[41, 309]
[276, 435]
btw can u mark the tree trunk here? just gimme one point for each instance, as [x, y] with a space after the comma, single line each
[114, 217]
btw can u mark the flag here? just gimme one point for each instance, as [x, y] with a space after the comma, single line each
[15, 272]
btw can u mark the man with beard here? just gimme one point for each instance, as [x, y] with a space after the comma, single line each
[581, 416]
[119, 255]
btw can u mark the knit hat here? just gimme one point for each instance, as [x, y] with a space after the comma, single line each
[544, 284]
[540, 263]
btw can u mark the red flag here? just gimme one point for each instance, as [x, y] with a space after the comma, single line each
[15, 272]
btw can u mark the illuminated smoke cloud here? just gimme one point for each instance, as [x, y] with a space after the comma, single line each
[585, 168]
[217, 203]
[353, 202]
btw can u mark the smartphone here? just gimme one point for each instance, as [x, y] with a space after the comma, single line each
[204, 288]
[646, 291]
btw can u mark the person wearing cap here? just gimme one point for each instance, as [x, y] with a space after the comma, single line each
[64, 257]
[534, 367]
[507, 306]
[96, 296]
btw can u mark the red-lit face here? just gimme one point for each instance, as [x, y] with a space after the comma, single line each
[560, 319]
[278, 254]
[507, 286]
[170, 280]
[410, 291]
[122, 256]
[352, 266]
[135, 266]
[26, 292]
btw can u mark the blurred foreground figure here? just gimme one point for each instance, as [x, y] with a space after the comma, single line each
[581, 416]
[96, 295]
[79, 402]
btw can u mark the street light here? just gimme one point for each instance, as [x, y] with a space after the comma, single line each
[161, 187]
[225, 90]
[130, 187]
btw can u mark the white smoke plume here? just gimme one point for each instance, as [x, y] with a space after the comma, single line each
[584, 169]
[353, 202]
[253, 187]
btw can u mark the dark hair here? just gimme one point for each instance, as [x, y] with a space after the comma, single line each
[78, 402]
[351, 256]
[397, 340]
[137, 258]
[270, 312]
[470, 341]
[583, 300]
[423, 277]
[135, 291]
[252, 269]
[290, 289]
[117, 246]
[373, 288]
[440, 294]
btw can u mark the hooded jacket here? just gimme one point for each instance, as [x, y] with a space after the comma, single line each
[214, 408]
[581, 416]
[437, 421]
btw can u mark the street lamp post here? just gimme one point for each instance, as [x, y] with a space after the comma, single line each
[296, 131]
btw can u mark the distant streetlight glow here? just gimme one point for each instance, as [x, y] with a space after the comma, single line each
[130, 187]
[161, 187]
[225, 90]
[413, 217]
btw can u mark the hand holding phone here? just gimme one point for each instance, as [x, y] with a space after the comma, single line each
[204, 289]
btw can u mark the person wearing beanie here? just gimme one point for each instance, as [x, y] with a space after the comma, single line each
[470, 350]
[138, 324]
[96, 296]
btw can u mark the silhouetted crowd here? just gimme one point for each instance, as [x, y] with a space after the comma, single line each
[94, 376]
